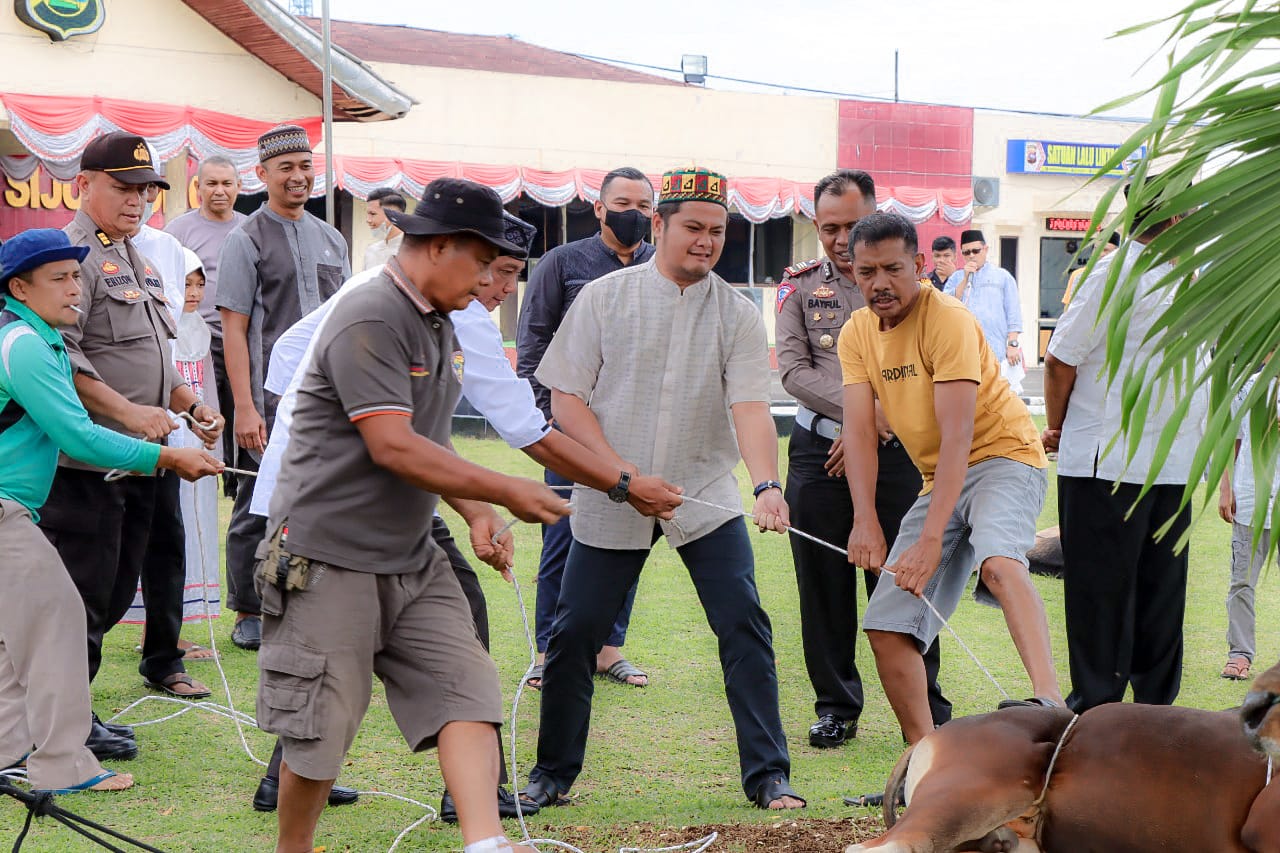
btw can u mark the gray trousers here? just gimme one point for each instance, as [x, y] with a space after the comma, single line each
[44, 674]
[1246, 564]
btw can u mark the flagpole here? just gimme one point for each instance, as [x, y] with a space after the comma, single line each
[327, 37]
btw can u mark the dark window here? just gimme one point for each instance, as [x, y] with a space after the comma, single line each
[1009, 255]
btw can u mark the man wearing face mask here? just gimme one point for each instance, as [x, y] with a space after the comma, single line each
[386, 237]
[624, 209]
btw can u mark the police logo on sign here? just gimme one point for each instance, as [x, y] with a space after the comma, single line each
[61, 19]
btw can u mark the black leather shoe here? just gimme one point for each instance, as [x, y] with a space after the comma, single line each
[831, 731]
[267, 796]
[110, 747]
[247, 634]
[448, 811]
[117, 729]
[507, 806]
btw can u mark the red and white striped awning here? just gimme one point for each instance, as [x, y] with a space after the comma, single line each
[57, 129]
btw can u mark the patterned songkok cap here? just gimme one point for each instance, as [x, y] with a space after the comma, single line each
[286, 139]
[693, 184]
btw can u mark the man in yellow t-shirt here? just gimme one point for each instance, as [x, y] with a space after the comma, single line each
[923, 355]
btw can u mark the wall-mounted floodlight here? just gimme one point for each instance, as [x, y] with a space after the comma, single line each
[694, 68]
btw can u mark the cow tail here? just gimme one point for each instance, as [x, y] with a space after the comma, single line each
[893, 788]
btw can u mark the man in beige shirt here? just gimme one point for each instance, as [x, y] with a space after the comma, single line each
[663, 368]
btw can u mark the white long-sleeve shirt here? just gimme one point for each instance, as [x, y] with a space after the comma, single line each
[489, 382]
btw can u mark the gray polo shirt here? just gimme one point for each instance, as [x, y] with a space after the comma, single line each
[274, 271]
[383, 350]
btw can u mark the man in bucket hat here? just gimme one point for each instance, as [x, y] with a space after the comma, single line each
[351, 588]
[44, 674]
[491, 386]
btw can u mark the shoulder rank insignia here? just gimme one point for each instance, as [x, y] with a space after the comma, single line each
[824, 292]
[102, 238]
[797, 269]
[784, 290]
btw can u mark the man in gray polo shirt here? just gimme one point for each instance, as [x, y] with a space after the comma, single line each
[280, 264]
[368, 457]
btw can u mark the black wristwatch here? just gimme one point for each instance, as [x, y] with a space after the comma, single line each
[765, 486]
[192, 409]
[618, 494]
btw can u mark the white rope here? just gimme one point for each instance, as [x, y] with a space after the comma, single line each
[119, 474]
[844, 551]
[697, 846]
[241, 719]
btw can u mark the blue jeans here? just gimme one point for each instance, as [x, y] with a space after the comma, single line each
[556, 539]
[722, 568]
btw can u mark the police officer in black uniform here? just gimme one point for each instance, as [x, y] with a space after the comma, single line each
[814, 301]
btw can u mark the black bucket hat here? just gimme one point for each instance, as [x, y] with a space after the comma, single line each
[457, 206]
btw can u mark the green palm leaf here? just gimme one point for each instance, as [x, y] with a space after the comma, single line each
[1214, 137]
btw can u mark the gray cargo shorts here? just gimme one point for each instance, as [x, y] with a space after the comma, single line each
[994, 517]
[322, 646]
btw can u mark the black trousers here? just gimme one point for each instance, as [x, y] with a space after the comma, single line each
[828, 585]
[110, 535]
[1125, 593]
[596, 582]
[227, 407]
[475, 600]
[244, 533]
[246, 530]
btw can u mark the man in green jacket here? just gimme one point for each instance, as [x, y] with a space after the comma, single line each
[44, 675]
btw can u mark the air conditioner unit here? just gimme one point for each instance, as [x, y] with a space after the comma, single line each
[986, 192]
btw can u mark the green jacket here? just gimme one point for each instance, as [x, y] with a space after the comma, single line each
[40, 413]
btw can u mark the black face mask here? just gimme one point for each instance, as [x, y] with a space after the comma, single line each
[629, 226]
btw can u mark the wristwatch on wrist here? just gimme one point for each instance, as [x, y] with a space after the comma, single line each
[1013, 343]
[766, 486]
[192, 409]
[618, 494]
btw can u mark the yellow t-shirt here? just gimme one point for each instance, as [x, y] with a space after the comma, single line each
[939, 341]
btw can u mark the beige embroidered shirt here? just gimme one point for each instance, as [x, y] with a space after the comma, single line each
[660, 368]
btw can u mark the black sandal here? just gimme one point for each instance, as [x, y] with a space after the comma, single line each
[544, 794]
[776, 789]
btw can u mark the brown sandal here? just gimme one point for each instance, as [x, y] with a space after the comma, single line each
[1237, 669]
[181, 685]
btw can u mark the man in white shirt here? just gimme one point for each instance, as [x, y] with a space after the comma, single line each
[386, 236]
[1125, 592]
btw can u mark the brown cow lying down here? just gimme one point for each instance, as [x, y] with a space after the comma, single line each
[1127, 778]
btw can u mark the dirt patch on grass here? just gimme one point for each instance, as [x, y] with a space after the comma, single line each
[781, 835]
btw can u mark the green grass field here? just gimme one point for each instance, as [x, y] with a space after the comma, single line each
[663, 756]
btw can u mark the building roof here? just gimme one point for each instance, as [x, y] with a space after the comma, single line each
[281, 41]
[505, 54]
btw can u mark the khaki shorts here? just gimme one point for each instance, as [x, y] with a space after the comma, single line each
[322, 645]
[994, 517]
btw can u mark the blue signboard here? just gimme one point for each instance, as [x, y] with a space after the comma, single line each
[1042, 157]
